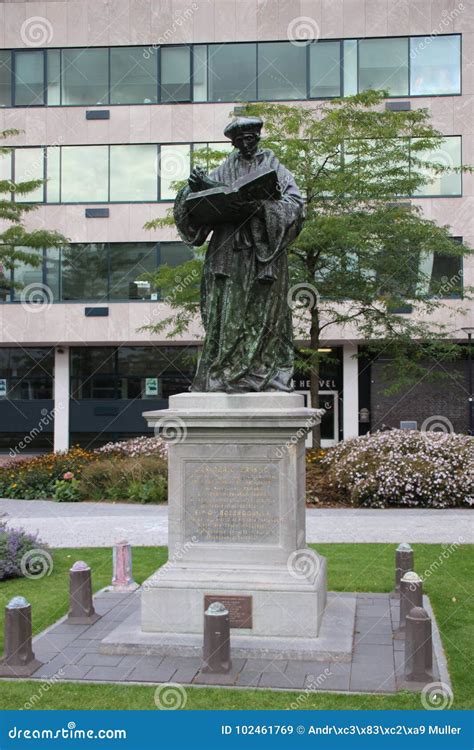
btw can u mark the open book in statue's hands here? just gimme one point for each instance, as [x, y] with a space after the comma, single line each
[217, 205]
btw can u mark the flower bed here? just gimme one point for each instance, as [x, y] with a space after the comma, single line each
[133, 470]
[402, 468]
[36, 478]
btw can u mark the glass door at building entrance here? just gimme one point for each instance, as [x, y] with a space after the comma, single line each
[330, 422]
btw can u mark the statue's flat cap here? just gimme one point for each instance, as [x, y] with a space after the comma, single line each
[243, 125]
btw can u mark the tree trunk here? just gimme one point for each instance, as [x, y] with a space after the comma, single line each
[314, 374]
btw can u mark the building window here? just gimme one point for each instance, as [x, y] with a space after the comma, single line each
[133, 173]
[200, 73]
[5, 78]
[53, 76]
[446, 277]
[435, 65]
[325, 70]
[29, 79]
[85, 271]
[175, 74]
[29, 166]
[175, 163]
[128, 263]
[151, 172]
[27, 373]
[131, 372]
[405, 66]
[84, 174]
[281, 70]
[133, 76]
[95, 271]
[232, 72]
[383, 64]
[85, 76]
[448, 154]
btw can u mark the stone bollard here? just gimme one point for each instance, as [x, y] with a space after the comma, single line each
[418, 646]
[122, 578]
[216, 651]
[81, 608]
[404, 561]
[411, 595]
[18, 659]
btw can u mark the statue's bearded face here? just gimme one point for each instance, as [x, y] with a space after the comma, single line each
[246, 143]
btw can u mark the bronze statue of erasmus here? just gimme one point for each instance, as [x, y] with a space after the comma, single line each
[254, 210]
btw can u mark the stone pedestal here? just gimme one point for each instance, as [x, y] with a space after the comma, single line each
[236, 519]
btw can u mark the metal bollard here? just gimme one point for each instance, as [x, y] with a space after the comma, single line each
[411, 595]
[81, 607]
[122, 578]
[418, 646]
[404, 561]
[18, 659]
[216, 650]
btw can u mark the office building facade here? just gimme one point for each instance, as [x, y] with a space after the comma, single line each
[111, 97]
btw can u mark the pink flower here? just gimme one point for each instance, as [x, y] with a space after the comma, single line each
[68, 475]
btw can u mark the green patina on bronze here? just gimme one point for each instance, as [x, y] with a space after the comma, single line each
[248, 342]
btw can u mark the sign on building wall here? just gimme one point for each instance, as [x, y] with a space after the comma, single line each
[152, 387]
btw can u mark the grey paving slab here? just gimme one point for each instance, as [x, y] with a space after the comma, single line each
[248, 678]
[327, 682]
[185, 674]
[52, 642]
[111, 674]
[225, 680]
[99, 660]
[281, 680]
[74, 672]
[366, 651]
[370, 682]
[65, 629]
[85, 644]
[146, 672]
[373, 637]
[275, 665]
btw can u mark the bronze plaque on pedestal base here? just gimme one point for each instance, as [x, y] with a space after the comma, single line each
[240, 608]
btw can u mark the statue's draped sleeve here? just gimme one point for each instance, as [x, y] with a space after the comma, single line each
[189, 233]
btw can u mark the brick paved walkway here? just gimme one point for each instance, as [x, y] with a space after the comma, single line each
[71, 652]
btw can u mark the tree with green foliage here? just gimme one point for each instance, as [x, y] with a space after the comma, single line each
[364, 252]
[17, 244]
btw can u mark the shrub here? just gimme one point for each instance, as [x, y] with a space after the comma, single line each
[403, 468]
[140, 479]
[66, 490]
[15, 544]
[139, 446]
[35, 478]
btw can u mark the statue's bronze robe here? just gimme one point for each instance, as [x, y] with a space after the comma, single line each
[244, 308]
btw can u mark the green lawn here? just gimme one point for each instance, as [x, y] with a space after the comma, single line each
[352, 567]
